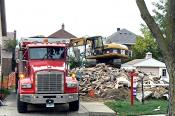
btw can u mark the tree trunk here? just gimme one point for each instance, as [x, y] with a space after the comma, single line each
[166, 44]
[170, 63]
[171, 45]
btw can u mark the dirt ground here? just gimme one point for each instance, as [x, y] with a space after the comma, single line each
[116, 94]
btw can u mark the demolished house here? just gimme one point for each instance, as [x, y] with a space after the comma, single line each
[104, 81]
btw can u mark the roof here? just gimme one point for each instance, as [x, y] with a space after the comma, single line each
[150, 62]
[132, 62]
[62, 33]
[123, 37]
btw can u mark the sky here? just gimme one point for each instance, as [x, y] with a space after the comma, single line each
[80, 17]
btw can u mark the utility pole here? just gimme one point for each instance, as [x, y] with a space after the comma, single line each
[3, 18]
[3, 32]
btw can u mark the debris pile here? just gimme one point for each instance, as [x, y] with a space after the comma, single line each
[103, 81]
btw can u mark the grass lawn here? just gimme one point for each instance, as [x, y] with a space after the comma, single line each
[123, 108]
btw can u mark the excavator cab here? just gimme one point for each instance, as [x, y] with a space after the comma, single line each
[95, 45]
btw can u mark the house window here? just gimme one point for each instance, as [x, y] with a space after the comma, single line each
[163, 72]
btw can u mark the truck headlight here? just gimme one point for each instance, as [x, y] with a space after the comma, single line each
[26, 85]
[72, 84]
[21, 76]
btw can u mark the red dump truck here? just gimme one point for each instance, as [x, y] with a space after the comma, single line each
[42, 69]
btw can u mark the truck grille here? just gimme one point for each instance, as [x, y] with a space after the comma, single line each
[49, 82]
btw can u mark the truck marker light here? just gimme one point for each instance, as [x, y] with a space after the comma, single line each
[45, 40]
[21, 76]
[73, 76]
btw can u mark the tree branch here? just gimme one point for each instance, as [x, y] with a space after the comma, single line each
[157, 33]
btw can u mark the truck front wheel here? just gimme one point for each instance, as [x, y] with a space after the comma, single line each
[21, 106]
[74, 106]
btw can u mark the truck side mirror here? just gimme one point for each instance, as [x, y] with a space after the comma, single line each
[20, 55]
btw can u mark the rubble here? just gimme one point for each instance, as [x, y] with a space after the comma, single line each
[146, 95]
[113, 83]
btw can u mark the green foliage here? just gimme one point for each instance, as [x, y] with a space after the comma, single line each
[160, 14]
[138, 108]
[10, 44]
[146, 44]
[74, 63]
[4, 91]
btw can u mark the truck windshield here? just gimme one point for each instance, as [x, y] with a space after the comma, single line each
[47, 53]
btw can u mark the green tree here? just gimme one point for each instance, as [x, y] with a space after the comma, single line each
[166, 42]
[73, 62]
[10, 44]
[146, 44]
[160, 14]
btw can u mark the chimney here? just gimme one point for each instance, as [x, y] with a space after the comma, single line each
[62, 26]
[118, 29]
[148, 55]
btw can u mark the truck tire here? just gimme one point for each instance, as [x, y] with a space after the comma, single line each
[74, 106]
[21, 106]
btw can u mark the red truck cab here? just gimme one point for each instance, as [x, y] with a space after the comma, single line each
[43, 74]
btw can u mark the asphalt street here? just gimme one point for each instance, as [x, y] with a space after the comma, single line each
[86, 109]
[10, 109]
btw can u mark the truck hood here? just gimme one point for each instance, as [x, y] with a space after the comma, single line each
[47, 64]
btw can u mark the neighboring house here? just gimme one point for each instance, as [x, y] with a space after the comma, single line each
[6, 54]
[148, 65]
[62, 33]
[122, 36]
